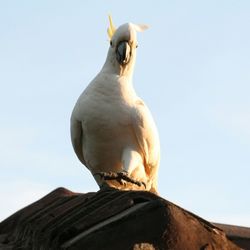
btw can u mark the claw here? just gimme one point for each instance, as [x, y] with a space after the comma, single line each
[120, 177]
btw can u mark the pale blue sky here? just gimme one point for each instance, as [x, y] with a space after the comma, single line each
[193, 71]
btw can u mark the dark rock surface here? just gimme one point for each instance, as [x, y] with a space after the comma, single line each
[107, 220]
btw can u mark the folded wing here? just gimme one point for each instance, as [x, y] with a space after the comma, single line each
[76, 138]
[147, 136]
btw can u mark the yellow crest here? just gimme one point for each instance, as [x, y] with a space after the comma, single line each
[111, 28]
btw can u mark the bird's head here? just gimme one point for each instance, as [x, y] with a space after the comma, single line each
[123, 44]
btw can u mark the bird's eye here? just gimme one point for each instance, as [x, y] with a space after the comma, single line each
[111, 43]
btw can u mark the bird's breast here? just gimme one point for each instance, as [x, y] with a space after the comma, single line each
[104, 110]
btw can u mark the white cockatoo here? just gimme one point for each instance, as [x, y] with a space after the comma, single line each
[112, 130]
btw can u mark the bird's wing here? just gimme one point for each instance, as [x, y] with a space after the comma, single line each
[146, 134]
[76, 138]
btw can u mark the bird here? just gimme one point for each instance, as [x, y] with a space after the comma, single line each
[113, 132]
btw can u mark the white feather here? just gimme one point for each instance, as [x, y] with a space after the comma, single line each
[112, 130]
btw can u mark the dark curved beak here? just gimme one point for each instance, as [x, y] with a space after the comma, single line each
[123, 53]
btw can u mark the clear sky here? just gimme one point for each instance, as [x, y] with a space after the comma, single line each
[192, 70]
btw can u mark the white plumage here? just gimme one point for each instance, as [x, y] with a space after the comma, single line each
[112, 130]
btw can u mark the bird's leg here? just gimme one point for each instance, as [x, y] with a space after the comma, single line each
[120, 177]
[131, 159]
[124, 175]
[109, 176]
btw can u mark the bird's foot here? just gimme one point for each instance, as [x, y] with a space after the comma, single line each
[121, 177]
